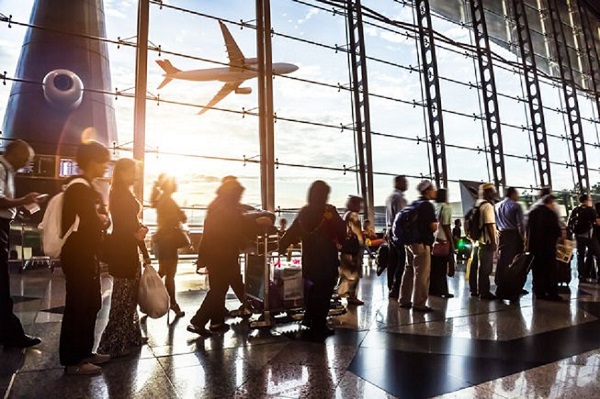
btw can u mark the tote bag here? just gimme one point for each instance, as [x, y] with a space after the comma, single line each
[153, 297]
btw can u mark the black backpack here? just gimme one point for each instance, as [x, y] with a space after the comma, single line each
[576, 225]
[405, 229]
[472, 223]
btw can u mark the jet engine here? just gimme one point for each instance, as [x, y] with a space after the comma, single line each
[63, 89]
[243, 90]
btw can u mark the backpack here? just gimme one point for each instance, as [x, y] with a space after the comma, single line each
[405, 230]
[51, 226]
[473, 222]
[575, 224]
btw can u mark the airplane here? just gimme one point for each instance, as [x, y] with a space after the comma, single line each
[240, 69]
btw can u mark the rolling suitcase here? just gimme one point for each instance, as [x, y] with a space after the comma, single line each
[515, 276]
[564, 272]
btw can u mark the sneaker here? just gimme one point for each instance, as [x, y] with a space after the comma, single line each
[355, 301]
[25, 342]
[199, 330]
[97, 358]
[219, 328]
[83, 369]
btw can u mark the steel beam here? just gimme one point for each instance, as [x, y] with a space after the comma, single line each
[569, 90]
[534, 95]
[141, 87]
[432, 92]
[360, 92]
[488, 90]
[591, 51]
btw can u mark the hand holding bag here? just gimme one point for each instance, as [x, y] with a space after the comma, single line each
[153, 297]
[441, 248]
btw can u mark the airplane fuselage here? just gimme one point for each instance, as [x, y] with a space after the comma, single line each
[230, 74]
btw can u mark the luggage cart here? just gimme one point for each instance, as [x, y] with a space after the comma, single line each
[271, 299]
[263, 294]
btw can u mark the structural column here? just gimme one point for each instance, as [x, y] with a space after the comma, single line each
[141, 85]
[534, 96]
[360, 91]
[570, 96]
[488, 90]
[432, 92]
[265, 104]
[591, 51]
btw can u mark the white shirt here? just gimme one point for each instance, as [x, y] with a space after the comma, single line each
[444, 215]
[487, 216]
[7, 187]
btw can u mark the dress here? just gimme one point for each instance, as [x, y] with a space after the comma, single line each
[351, 263]
[123, 328]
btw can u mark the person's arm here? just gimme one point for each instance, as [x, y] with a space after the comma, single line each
[354, 223]
[291, 236]
[489, 223]
[142, 246]
[520, 220]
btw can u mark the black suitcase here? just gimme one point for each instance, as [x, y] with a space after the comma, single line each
[515, 277]
[564, 272]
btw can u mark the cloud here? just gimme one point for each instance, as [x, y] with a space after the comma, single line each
[311, 13]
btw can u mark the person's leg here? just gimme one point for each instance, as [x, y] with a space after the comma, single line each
[507, 250]
[485, 269]
[321, 294]
[406, 287]
[552, 276]
[213, 306]
[438, 276]
[422, 264]
[537, 270]
[474, 271]
[10, 326]
[115, 336]
[400, 265]
[391, 269]
[82, 303]
[581, 248]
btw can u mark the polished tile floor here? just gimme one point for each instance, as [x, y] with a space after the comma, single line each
[466, 348]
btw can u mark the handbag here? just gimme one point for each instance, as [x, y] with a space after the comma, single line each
[153, 297]
[351, 246]
[175, 236]
[441, 248]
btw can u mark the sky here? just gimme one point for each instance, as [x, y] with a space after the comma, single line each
[172, 128]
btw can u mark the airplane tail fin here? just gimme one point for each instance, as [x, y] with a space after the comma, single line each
[167, 67]
[169, 70]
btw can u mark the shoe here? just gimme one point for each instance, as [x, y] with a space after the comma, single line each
[474, 293]
[178, 312]
[97, 358]
[83, 369]
[25, 342]
[219, 328]
[355, 301]
[524, 292]
[406, 305]
[199, 330]
[489, 296]
[447, 296]
[422, 309]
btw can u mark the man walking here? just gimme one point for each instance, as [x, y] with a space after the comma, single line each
[394, 204]
[487, 244]
[580, 224]
[418, 268]
[16, 155]
[509, 221]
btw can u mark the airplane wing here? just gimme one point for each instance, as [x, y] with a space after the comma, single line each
[236, 58]
[225, 90]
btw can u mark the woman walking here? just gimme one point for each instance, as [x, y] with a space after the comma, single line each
[168, 235]
[321, 230]
[123, 330]
[351, 252]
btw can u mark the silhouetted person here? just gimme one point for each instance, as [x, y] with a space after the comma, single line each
[122, 333]
[169, 218]
[321, 229]
[351, 258]
[441, 266]
[509, 222]
[580, 224]
[394, 204]
[17, 154]
[79, 261]
[543, 231]
[226, 233]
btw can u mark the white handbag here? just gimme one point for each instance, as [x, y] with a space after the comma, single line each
[153, 297]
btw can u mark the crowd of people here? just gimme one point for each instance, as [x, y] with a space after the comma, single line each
[419, 237]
